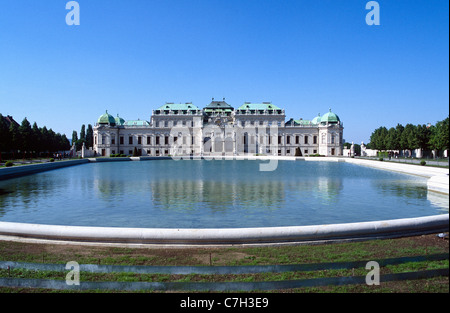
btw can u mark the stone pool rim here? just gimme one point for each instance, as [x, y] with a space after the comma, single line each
[178, 237]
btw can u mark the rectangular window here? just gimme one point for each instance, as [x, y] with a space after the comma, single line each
[306, 140]
[157, 140]
[166, 140]
[288, 140]
[279, 140]
[130, 140]
[297, 140]
[121, 140]
[315, 140]
[113, 141]
[149, 140]
[139, 140]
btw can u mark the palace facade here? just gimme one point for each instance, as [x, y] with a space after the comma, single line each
[219, 130]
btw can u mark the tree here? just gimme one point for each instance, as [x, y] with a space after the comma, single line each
[407, 139]
[45, 140]
[439, 138]
[74, 137]
[399, 130]
[36, 145]
[14, 137]
[422, 137]
[4, 135]
[83, 132]
[5, 140]
[25, 137]
[392, 141]
[378, 138]
[64, 143]
[89, 137]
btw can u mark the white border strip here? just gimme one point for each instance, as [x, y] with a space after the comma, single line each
[228, 235]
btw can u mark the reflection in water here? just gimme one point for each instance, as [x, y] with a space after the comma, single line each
[438, 200]
[217, 195]
[401, 188]
[196, 193]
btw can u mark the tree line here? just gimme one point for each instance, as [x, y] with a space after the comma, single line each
[27, 141]
[411, 137]
[86, 137]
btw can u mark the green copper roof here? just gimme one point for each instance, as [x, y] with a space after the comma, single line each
[301, 122]
[316, 120]
[304, 122]
[119, 120]
[106, 119]
[330, 117]
[178, 107]
[258, 106]
[218, 105]
[136, 123]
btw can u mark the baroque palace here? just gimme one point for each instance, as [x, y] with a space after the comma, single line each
[219, 130]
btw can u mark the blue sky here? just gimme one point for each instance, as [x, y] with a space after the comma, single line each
[306, 56]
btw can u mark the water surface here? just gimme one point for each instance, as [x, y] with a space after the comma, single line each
[215, 194]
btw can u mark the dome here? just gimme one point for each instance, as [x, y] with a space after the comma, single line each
[330, 117]
[106, 119]
[316, 120]
[119, 120]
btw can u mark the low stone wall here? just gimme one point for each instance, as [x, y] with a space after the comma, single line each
[22, 170]
[439, 183]
[230, 236]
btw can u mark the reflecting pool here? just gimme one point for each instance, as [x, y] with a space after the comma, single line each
[215, 194]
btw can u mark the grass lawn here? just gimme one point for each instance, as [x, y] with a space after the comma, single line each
[372, 250]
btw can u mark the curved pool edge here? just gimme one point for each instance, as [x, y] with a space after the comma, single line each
[165, 237]
[437, 182]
